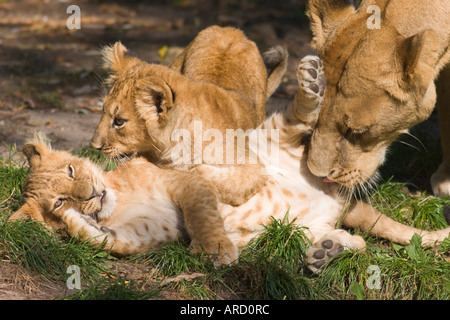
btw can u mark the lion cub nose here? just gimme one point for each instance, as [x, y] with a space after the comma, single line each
[97, 144]
[95, 193]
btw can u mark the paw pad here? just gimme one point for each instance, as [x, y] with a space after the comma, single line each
[311, 77]
[321, 252]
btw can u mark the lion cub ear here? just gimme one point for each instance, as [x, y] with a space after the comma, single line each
[118, 59]
[154, 100]
[35, 151]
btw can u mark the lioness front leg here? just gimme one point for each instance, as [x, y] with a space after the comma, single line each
[440, 180]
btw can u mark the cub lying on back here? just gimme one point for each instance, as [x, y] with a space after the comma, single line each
[219, 81]
[136, 218]
[136, 207]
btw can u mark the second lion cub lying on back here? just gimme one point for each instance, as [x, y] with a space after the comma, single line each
[219, 81]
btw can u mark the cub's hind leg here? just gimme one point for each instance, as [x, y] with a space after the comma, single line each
[366, 218]
[311, 89]
[329, 246]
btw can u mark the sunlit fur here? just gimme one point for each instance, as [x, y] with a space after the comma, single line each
[134, 208]
[380, 83]
[220, 80]
[148, 200]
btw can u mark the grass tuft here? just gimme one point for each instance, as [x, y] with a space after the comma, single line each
[272, 265]
[117, 289]
[39, 250]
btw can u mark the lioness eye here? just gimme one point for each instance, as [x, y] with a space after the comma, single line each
[118, 122]
[71, 171]
[356, 132]
[58, 204]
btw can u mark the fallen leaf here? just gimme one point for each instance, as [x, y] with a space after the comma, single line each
[162, 52]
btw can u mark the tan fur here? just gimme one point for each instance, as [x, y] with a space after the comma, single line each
[290, 188]
[380, 83]
[136, 207]
[219, 80]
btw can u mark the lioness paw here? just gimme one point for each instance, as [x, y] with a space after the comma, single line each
[440, 181]
[311, 79]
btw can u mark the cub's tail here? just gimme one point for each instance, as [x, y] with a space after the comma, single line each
[275, 60]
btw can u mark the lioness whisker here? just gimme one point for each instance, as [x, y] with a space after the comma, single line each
[409, 145]
[417, 139]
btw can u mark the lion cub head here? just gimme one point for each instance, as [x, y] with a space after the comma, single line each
[135, 94]
[59, 181]
[379, 84]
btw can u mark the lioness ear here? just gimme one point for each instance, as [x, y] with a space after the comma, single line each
[34, 151]
[29, 210]
[118, 59]
[325, 16]
[154, 100]
[419, 55]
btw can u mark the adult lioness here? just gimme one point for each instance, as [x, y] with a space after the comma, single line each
[380, 82]
[219, 82]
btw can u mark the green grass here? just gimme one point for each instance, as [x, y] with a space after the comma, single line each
[29, 244]
[393, 272]
[116, 289]
[270, 267]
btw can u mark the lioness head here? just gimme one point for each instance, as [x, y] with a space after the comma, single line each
[137, 104]
[379, 84]
[59, 181]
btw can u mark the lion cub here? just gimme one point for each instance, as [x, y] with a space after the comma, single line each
[135, 208]
[219, 82]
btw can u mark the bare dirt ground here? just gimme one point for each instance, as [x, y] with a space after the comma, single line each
[50, 76]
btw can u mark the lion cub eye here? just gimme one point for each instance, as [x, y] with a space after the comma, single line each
[71, 171]
[58, 204]
[119, 123]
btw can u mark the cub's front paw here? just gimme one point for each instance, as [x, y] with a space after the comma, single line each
[311, 79]
[227, 254]
[221, 252]
[321, 252]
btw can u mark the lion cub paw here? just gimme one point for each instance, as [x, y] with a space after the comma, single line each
[222, 252]
[311, 81]
[321, 252]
